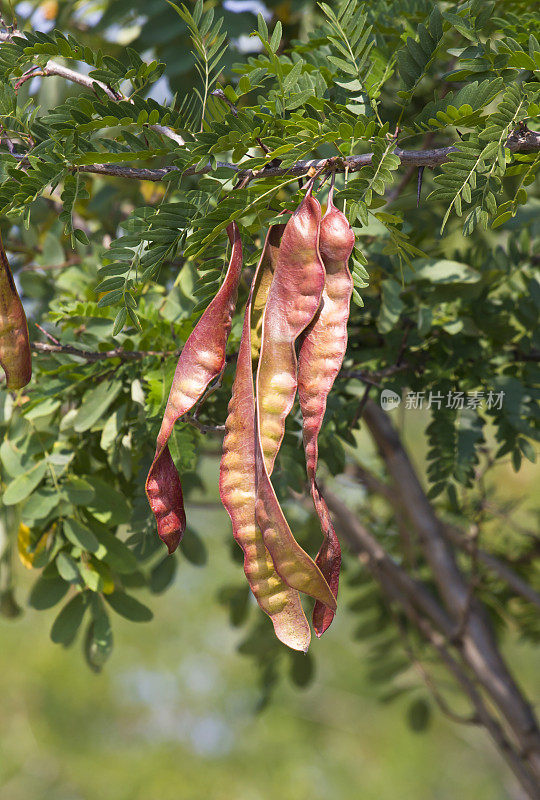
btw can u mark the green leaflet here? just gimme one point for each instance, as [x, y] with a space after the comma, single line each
[95, 403]
[415, 58]
[23, 485]
[68, 621]
[128, 607]
[80, 535]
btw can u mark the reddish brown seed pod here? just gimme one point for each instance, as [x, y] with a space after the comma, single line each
[293, 300]
[263, 280]
[292, 563]
[237, 478]
[15, 355]
[320, 358]
[201, 361]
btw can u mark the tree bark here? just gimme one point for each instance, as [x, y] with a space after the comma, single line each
[459, 615]
[434, 624]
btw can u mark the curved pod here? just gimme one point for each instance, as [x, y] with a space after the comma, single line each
[293, 300]
[237, 479]
[320, 358]
[201, 361]
[263, 277]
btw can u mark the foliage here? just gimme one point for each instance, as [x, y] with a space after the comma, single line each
[116, 267]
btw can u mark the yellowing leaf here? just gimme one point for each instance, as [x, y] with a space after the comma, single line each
[151, 191]
[26, 554]
[105, 574]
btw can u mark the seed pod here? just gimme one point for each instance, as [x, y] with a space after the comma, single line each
[293, 299]
[201, 360]
[320, 358]
[237, 479]
[15, 356]
[292, 563]
[292, 302]
[263, 279]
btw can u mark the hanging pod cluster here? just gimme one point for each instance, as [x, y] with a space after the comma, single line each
[298, 302]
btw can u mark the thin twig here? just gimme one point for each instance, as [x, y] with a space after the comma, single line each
[500, 568]
[369, 378]
[465, 614]
[533, 355]
[53, 69]
[471, 719]
[374, 378]
[204, 428]
[222, 96]
[456, 536]
[123, 355]
[53, 339]
[362, 404]
[419, 185]
[520, 140]
[93, 355]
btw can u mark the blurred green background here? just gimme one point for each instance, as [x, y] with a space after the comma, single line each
[174, 714]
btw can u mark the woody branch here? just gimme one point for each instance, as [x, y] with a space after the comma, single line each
[471, 631]
[517, 142]
[520, 141]
[435, 624]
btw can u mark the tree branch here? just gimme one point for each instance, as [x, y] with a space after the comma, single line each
[533, 355]
[370, 378]
[203, 427]
[417, 602]
[518, 142]
[374, 378]
[497, 566]
[473, 719]
[457, 537]
[477, 642]
[93, 355]
[54, 69]
[124, 355]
